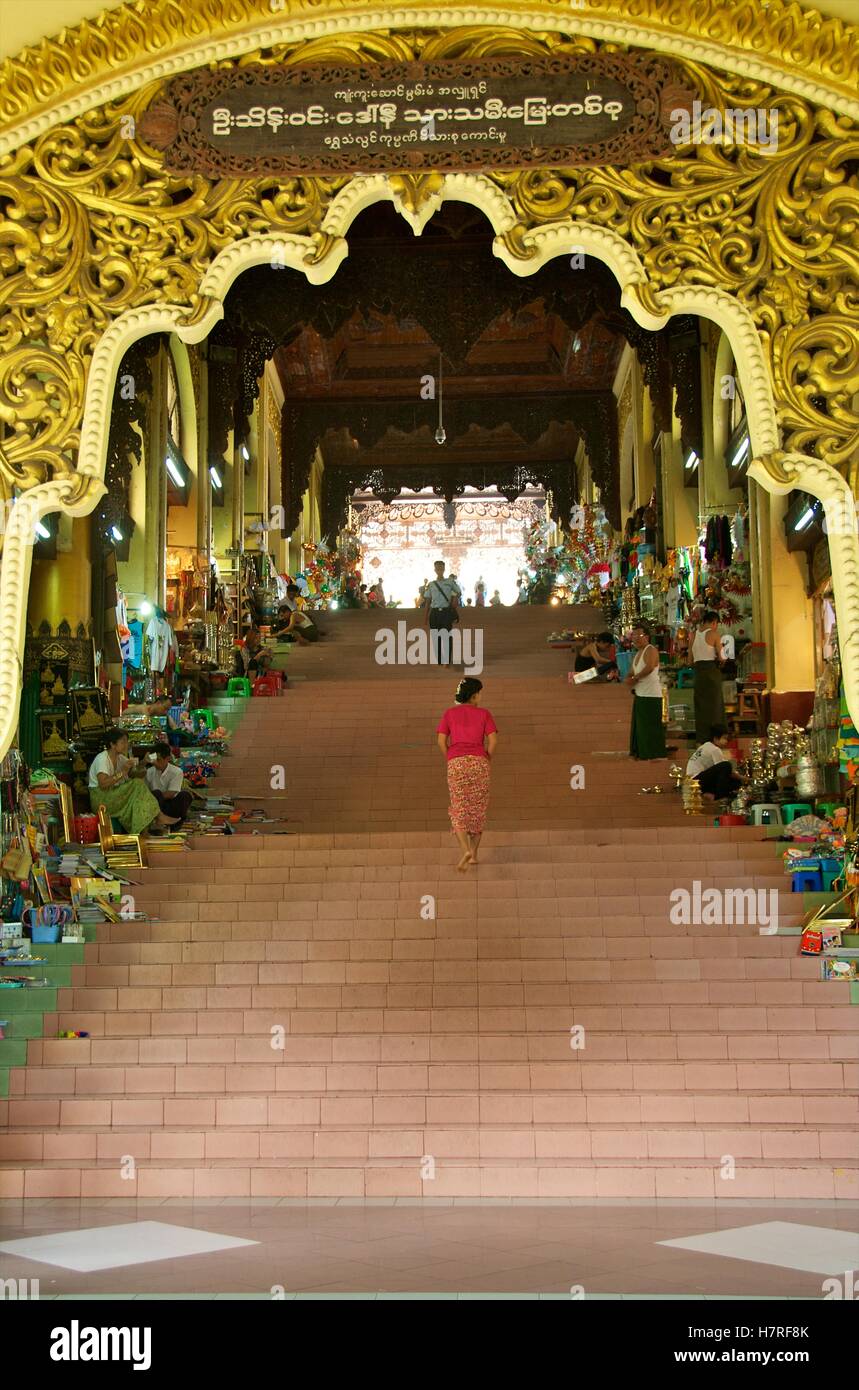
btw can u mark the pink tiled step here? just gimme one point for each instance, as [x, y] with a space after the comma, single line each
[388, 1177]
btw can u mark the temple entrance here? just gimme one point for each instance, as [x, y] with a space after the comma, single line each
[481, 538]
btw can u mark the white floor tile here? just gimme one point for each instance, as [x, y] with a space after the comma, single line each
[111, 1247]
[817, 1249]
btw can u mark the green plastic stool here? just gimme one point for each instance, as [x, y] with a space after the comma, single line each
[205, 713]
[238, 685]
[826, 808]
[793, 809]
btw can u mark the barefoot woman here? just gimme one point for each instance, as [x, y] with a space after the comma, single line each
[467, 736]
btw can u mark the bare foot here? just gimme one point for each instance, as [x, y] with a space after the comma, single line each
[464, 863]
[167, 820]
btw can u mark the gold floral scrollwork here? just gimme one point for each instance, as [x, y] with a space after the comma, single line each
[412, 191]
[323, 244]
[518, 244]
[778, 465]
[95, 227]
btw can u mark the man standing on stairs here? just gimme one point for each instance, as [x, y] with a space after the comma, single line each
[442, 598]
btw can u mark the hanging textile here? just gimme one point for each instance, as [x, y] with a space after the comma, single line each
[161, 641]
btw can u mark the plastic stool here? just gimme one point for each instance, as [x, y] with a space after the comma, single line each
[806, 881]
[266, 685]
[830, 870]
[766, 813]
[793, 809]
[826, 808]
[205, 713]
[685, 678]
[238, 685]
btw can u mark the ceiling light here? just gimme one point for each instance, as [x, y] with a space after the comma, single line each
[215, 476]
[116, 533]
[741, 452]
[145, 608]
[42, 531]
[245, 454]
[174, 472]
[692, 460]
[440, 434]
[805, 520]
[577, 343]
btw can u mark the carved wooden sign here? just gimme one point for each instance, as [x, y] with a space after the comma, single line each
[502, 113]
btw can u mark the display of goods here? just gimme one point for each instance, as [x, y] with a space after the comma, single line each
[809, 777]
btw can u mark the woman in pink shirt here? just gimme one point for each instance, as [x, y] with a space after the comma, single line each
[467, 736]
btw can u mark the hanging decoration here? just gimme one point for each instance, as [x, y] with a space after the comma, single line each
[575, 571]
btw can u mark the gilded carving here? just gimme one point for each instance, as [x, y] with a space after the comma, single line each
[798, 51]
[94, 227]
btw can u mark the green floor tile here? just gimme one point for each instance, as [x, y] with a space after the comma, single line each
[25, 1025]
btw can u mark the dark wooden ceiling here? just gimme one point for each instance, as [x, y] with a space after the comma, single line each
[376, 354]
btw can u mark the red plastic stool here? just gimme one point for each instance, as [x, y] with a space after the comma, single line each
[269, 684]
[86, 830]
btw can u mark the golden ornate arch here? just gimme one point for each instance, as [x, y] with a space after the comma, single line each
[99, 245]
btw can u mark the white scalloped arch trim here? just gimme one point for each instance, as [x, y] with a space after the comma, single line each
[363, 17]
[301, 253]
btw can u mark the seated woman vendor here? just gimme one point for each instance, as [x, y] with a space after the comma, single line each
[250, 656]
[127, 799]
[600, 654]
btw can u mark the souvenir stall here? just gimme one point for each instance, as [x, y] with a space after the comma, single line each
[332, 578]
[714, 574]
[577, 569]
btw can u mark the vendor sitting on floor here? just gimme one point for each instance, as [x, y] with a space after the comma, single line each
[601, 654]
[165, 781]
[293, 625]
[111, 785]
[250, 656]
[712, 766]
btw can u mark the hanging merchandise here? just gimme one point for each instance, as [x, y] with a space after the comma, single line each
[739, 531]
[848, 742]
[161, 640]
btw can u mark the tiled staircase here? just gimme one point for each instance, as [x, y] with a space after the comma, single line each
[336, 1011]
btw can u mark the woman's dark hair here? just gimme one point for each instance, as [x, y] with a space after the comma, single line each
[113, 736]
[605, 637]
[710, 616]
[467, 687]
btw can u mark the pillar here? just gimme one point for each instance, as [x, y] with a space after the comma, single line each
[62, 588]
[783, 611]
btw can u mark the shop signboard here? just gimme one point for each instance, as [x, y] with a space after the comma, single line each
[502, 113]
